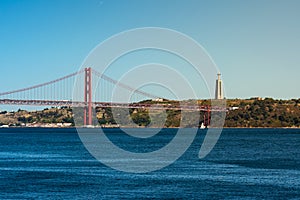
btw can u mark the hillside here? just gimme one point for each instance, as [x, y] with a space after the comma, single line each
[253, 112]
[264, 113]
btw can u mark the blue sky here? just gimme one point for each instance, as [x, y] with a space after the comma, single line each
[255, 44]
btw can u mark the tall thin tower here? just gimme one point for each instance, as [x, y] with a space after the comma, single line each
[219, 88]
[87, 116]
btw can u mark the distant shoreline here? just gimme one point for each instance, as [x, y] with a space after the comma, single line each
[247, 113]
[74, 127]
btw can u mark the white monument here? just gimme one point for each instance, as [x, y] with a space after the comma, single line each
[219, 88]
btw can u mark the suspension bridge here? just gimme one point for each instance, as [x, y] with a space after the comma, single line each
[59, 92]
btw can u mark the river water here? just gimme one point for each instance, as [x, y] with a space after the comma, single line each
[39, 163]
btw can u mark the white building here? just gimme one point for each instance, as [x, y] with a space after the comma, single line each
[219, 88]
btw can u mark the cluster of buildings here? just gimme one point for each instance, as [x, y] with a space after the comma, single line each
[42, 125]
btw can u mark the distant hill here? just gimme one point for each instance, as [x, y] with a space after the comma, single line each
[267, 112]
[255, 112]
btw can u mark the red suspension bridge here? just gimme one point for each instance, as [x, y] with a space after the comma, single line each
[59, 93]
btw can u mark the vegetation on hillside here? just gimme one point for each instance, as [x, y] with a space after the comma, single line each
[264, 113]
[253, 112]
[48, 115]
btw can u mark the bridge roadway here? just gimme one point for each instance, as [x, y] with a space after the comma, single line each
[185, 107]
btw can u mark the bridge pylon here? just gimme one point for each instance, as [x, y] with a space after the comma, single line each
[87, 115]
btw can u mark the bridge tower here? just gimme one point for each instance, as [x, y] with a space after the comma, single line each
[87, 115]
[207, 114]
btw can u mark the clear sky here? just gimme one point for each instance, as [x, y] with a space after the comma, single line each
[255, 44]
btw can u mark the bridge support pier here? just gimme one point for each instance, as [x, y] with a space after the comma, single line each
[206, 117]
[87, 115]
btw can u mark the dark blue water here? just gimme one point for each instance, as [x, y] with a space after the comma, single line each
[245, 164]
